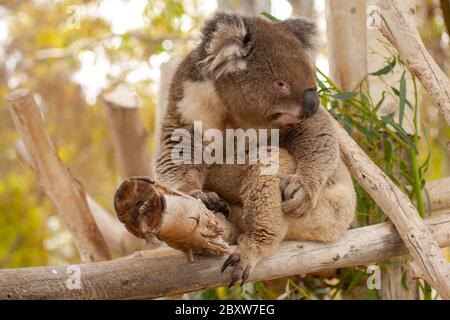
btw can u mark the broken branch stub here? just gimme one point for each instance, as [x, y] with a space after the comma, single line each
[148, 208]
[128, 134]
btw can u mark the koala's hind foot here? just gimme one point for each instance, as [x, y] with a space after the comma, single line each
[242, 263]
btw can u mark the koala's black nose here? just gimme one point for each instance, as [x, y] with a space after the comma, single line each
[310, 103]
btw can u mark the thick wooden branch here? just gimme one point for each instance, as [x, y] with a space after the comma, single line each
[399, 29]
[148, 208]
[428, 258]
[65, 192]
[162, 272]
[128, 134]
[439, 193]
[118, 239]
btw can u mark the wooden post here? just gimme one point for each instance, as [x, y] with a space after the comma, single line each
[128, 134]
[248, 7]
[302, 8]
[65, 192]
[163, 272]
[346, 24]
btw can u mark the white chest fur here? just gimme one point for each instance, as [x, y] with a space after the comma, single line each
[201, 103]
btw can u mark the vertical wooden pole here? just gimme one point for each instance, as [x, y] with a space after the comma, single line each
[347, 42]
[128, 134]
[248, 7]
[302, 8]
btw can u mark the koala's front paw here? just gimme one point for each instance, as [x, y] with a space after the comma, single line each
[242, 264]
[212, 201]
[297, 197]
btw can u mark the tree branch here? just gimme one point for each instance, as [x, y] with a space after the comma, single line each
[399, 29]
[148, 208]
[162, 272]
[396, 205]
[439, 193]
[65, 192]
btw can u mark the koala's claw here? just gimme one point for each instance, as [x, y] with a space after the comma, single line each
[212, 201]
[242, 268]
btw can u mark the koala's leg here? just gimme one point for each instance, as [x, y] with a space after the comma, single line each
[333, 214]
[262, 221]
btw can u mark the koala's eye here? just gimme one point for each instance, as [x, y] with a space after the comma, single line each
[283, 86]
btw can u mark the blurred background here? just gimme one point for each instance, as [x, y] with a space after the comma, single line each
[70, 52]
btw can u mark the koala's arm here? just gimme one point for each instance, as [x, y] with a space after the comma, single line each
[187, 178]
[315, 147]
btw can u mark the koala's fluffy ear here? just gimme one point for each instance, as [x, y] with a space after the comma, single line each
[304, 29]
[226, 42]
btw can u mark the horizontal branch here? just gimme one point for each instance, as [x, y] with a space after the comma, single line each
[162, 272]
[438, 193]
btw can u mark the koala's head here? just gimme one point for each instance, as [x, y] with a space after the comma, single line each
[262, 71]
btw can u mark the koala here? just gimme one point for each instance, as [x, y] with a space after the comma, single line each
[247, 73]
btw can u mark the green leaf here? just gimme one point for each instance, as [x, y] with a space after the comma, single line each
[378, 106]
[364, 131]
[389, 120]
[386, 69]
[345, 95]
[402, 96]
[387, 147]
[347, 124]
[321, 84]
[269, 16]
[404, 281]
[397, 93]
[426, 163]
[357, 279]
